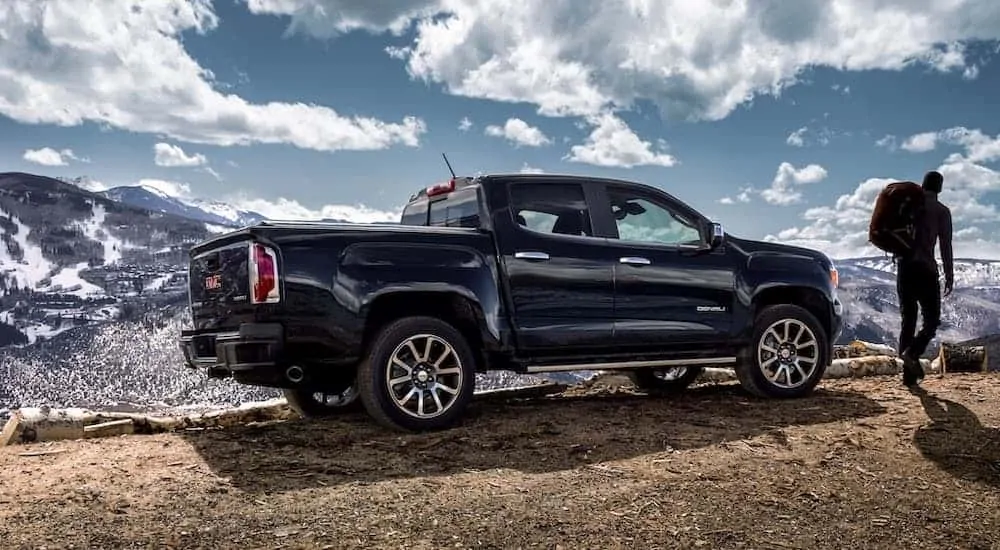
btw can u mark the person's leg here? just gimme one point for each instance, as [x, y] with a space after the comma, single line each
[905, 291]
[929, 297]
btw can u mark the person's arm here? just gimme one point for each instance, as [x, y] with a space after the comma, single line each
[944, 238]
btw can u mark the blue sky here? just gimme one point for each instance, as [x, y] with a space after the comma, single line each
[132, 81]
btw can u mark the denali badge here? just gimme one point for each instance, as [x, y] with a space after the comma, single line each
[712, 308]
[213, 282]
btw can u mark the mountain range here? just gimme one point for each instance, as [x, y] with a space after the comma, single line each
[93, 292]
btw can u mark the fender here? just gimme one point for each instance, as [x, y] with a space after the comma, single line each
[374, 270]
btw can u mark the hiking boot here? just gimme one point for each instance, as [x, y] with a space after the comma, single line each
[913, 371]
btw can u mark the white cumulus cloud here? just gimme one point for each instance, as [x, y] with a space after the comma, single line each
[796, 138]
[47, 156]
[290, 209]
[920, 143]
[783, 190]
[519, 133]
[696, 60]
[169, 155]
[612, 143]
[122, 64]
[841, 229]
[979, 147]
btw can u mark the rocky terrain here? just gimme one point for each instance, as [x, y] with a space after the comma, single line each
[863, 463]
[93, 289]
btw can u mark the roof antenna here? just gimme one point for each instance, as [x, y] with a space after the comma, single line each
[449, 166]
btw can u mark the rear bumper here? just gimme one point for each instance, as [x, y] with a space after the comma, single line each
[252, 354]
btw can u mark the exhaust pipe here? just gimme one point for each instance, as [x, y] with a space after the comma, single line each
[295, 374]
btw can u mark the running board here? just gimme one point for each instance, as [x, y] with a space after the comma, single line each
[621, 365]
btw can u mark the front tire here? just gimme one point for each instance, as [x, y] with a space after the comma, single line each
[419, 375]
[787, 356]
[668, 381]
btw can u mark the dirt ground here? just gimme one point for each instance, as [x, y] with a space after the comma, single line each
[861, 464]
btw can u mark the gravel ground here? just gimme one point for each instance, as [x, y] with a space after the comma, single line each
[863, 463]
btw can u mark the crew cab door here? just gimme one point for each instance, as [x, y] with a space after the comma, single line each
[558, 274]
[670, 292]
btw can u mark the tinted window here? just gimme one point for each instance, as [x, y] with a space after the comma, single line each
[459, 209]
[415, 214]
[558, 208]
[641, 220]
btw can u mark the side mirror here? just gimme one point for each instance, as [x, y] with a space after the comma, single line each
[717, 237]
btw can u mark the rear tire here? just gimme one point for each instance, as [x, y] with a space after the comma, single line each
[419, 375]
[784, 364]
[668, 381]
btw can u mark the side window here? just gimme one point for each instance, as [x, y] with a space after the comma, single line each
[460, 209]
[641, 220]
[554, 208]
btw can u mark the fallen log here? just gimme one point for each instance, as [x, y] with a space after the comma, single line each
[860, 348]
[858, 367]
[962, 358]
[37, 424]
[526, 392]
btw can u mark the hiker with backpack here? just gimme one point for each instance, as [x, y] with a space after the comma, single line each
[908, 222]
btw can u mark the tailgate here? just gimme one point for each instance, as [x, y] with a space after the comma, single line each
[220, 277]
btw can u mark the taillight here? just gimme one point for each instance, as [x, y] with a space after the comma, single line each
[263, 275]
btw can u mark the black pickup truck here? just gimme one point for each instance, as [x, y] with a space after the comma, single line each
[525, 273]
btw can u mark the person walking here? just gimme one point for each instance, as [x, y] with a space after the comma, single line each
[918, 283]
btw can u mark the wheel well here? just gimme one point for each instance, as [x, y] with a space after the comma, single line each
[450, 307]
[810, 299]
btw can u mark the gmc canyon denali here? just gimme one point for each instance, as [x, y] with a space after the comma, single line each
[525, 273]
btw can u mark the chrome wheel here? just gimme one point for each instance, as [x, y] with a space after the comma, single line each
[788, 353]
[424, 376]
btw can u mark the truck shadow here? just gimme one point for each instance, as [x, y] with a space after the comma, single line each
[957, 441]
[531, 436]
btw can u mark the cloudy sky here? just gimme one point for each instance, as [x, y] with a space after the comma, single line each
[780, 119]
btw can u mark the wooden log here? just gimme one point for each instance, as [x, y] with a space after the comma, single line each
[10, 429]
[524, 392]
[124, 426]
[858, 367]
[36, 424]
[860, 348]
[962, 358]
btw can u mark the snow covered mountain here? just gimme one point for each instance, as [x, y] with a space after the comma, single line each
[157, 200]
[868, 289]
[69, 256]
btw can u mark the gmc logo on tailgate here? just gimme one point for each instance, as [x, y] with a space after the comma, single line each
[213, 282]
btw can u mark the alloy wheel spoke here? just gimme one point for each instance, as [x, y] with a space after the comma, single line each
[780, 357]
[424, 359]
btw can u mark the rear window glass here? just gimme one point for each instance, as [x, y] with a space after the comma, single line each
[415, 213]
[459, 209]
[559, 208]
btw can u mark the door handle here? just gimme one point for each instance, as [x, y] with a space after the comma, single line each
[531, 255]
[634, 260]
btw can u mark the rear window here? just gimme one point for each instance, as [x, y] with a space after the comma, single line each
[415, 213]
[459, 209]
[559, 208]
